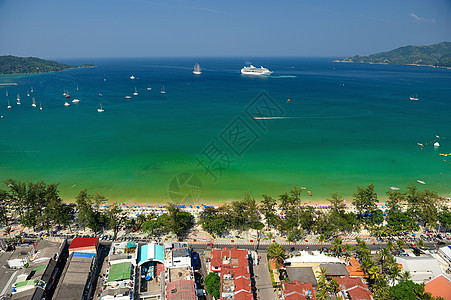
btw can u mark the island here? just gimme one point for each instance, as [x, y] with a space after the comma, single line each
[16, 65]
[436, 55]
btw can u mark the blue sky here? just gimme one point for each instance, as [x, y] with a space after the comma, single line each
[146, 28]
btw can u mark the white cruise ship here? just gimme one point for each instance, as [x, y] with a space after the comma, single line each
[255, 71]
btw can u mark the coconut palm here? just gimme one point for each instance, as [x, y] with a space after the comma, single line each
[383, 256]
[322, 285]
[276, 252]
[374, 273]
[337, 246]
[400, 243]
[390, 245]
[405, 276]
[394, 273]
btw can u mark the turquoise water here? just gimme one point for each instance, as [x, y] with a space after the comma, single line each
[345, 125]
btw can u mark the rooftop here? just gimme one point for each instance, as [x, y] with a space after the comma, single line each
[302, 274]
[180, 290]
[335, 269]
[82, 242]
[440, 286]
[120, 271]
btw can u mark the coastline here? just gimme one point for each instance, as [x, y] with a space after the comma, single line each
[380, 63]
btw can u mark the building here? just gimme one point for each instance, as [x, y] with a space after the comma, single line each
[422, 268]
[36, 279]
[150, 281]
[302, 274]
[81, 244]
[354, 269]
[335, 270]
[78, 274]
[235, 273]
[180, 290]
[313, 261]
[296, 290]
[440, 286]
[353, 289]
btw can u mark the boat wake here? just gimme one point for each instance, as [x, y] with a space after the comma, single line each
[283, 76]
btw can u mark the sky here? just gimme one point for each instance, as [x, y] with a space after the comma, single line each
[153, 28]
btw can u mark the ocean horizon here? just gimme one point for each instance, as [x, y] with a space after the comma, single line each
[324, 126]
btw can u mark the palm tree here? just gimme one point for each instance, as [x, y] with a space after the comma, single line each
[276, 252]
[395, 272]
[322, 285]
[390, 245]
[405, 276]
[322, 238]
[400, 244]
[383, 256]
[8, 230]
[337, 246]
[374, 273]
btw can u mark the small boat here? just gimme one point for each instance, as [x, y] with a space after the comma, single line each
[414, 98]
[18, 99]
[421, 181]
[197, 70]
[132, 77]
[40, 106]
[163, 91]
[32, 90]
[34, 102]
[420, 144]
[393, 188]
[75, 101]
[100, 109]
[6, 93]
[309, 193]
[64, 93]
[100, 95]
[436, 144]
[67, 94]
[128, 97]
[136, 92]
[77, 87]
[28, 94]
[9, 105]
[66, 103]
[149, 88]
[104, 79]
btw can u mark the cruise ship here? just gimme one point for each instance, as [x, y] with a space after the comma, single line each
[255, 71]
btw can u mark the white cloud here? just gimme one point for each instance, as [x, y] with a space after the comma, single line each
[417, 18]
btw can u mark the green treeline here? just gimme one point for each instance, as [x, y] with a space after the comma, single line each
[438, 55]
[15, 65]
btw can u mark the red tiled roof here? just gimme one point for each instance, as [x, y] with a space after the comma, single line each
[180, 290]
[296, 290]
[81, 242]
[243, 295]
[359, 293]
[242, 284]
[350, 282]
[439, 286]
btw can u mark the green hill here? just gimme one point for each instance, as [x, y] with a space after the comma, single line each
[14, 65]
[438, 55]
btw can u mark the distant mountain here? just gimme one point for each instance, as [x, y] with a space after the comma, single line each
[15, 65]
[438, 55]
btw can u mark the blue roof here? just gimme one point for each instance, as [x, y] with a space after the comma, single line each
[84, 254]
[150, 252]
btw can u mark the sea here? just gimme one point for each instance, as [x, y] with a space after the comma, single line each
[315, 124]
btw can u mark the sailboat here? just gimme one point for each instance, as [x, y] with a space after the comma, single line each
[75, 101]
[100, 109]
[40, 106]
[197, 70]
[66, 103]
[136, 92]
[77, 87]
[9, 105]
[6, 93]
[162, 90]
[28, 94]
[34, 102]
[18, 99]
[67, 94]
[149, 88]
[414, 98]
[32, 89]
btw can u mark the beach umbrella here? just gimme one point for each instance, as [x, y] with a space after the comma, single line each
[197, 206]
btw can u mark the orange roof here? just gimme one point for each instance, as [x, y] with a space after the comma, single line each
[439, 286]
[243, 295]
[242, 284]
[296, 290]
[359, 293]
[349, 282]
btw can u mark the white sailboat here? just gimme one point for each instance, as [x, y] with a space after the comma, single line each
[132, 77]
[163, 91]
[77, 87]
[66, 103]
[75, 101]
[136, 92]
[149, 88]
[28, 94]
[128, 97]
[40, 106]
[18, 99]
[6, 93]
[33, 104]
[197, 70]
[9, 105]
[32, 89]
[100, 109]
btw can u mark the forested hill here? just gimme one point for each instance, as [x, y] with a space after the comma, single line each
[438, 55]
[14, 65]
